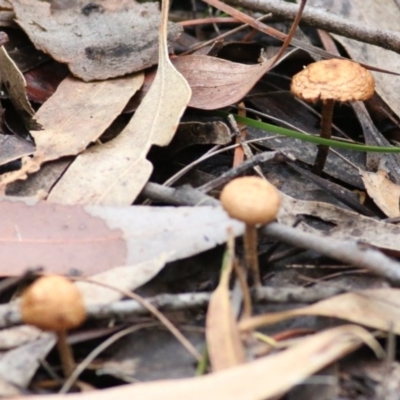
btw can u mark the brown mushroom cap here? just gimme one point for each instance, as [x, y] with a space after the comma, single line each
[53, 303]
[251, 199]
[334, 79]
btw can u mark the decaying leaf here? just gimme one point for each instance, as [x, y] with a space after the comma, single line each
[376, 308]
[97, 40]
[196, 132]
[13, 147]
[224, 345]
[384, 192]
[265, 378]
[115, 173]
[93, 239]
[347, 225]
[73, 118]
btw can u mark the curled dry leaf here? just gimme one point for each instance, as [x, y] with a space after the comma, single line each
[376, 308]
[115, 173]
[15, 85]
[384, 192]
[265, 378]
[106, 41]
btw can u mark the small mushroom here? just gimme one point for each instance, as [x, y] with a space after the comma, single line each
[330, 81]
[54, 303]
[254, 201]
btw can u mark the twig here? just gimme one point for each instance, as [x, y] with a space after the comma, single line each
[267, 156]
[350, 252]
[318, 18]
[10, 315]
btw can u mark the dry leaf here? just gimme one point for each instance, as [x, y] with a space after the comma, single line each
[13, 147]
[215, 82]
[73, 118]
[224, 345]
[376, 308]
[218, 83]
[126, 278]
[345, 224]
[267, 377]
[15, 85]
[109, 40]
[384, 192]
[115, 173]
[20, 364]
[93, 239]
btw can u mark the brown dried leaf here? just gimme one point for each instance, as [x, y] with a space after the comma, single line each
[224, 346]
[73, 118]
[384, 192]
[376, 308]
[108, 40]
[264, 378]
[93, 239]
[115, 173]
[218, 83]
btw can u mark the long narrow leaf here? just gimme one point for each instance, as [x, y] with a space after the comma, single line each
[311, 138]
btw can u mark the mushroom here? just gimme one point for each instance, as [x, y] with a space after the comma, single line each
[54, 303]
[254, 201]
[330, 81]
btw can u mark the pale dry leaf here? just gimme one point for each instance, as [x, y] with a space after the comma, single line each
[20, 364]
[383, 191]
[93, 239]
[126, 278]
[17, 336]
[224, 345]
[15, 85]
[73, 118]
[98, 42]
[375, 308]
[115, 173]
[264, 378]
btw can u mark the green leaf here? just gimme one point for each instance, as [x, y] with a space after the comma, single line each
[311, 138]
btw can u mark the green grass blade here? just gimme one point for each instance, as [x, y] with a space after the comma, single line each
[311, 138]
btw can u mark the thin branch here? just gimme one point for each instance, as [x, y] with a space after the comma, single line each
[10, 315]
[350, 252]
[321, 19]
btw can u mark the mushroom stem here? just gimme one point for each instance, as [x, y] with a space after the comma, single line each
[65, 351]
[326, 132]
[251, 256]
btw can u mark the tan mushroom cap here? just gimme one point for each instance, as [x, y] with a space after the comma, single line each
[251, 199]
[53, 303]
[334, 79]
